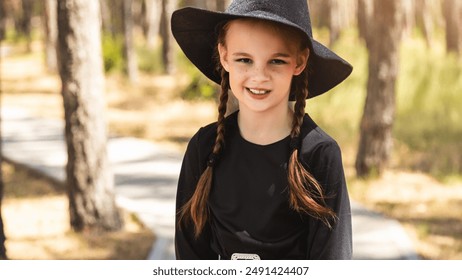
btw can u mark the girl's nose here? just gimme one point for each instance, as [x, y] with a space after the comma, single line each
[260, 73]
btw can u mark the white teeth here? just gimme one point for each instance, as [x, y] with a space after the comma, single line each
[257, 91]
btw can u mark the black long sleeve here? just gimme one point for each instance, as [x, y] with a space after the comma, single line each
[187, 247]
[248, 204]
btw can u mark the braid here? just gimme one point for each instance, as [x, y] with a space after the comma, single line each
[305, 193]
[301, 93]
[219, 141]
[196, 208]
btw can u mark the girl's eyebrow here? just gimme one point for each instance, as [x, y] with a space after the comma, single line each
[241, 54]
[274, 55]
[281, 55]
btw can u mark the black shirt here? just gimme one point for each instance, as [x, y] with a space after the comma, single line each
[248, 203]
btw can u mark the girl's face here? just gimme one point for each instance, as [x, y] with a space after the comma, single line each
[261, 61]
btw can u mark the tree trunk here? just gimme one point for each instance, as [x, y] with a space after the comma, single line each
[375, 143]
[200, 3]
[452, 14]
[365, 18]
[334, 21]
[2, 231]
[51, 34]
[2, 19]
[424, 20]
[116, 17]
[221, 5]
[168, 52]
[89, 180]
[408, 12]
[131, 67]
[105, 17]
[26, 20]
[320, 13]
[152, 15]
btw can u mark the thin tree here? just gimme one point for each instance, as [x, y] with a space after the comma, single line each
[131, 67]
[2, 19]
[51, 34]
[452, 11]
[365, 14]
[383, 40]
[151, 21]
[25, 22]
[424, 20]
[106, 16]
[221, 5]
[168, 52]
[89, 180]
[2, 231]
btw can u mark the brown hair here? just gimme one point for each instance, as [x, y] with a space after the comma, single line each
[305, 193]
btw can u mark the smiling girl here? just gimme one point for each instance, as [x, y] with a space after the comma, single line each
[264, 182]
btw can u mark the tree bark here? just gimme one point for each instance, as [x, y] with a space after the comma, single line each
[365, 18]
[221, 5]
[51, 34]
[89, 179]
[168, 52]
[3, 255]
[116, 17]
[334, 21]
[452, 14]
[424, 20]
[105, 17]
[408, 12]
[2, 19]
[131, 66]
[151, 26]
[25, 23]
[320, 13]
[375, 143]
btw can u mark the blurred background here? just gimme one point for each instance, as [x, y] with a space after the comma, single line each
[397, 118]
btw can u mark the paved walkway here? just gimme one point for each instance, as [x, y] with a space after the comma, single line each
[145, 183]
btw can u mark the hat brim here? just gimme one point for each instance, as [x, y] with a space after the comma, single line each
[194, 31]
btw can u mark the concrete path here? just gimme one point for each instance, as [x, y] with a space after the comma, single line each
[146, 177]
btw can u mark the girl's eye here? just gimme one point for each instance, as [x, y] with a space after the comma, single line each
[244, 60]
[277, 61]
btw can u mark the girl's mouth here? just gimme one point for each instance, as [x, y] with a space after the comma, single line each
[257, 91]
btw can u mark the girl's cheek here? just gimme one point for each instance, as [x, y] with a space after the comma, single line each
[241, 70]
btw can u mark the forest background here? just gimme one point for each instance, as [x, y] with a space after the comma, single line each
[411, 173]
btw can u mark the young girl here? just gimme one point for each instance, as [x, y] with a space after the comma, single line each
[264, 182]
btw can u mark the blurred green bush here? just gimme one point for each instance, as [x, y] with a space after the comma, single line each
[112, 52]
[200, 87]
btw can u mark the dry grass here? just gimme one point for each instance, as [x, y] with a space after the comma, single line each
[36, 218]
[429, 210]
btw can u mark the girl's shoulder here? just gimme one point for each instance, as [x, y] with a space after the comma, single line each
[204, 138]
[315, 140]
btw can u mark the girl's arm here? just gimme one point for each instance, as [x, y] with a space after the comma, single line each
[186, 245]
[325, 163]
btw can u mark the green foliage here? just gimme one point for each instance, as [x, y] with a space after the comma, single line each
[200, 87]
[429, 112]
[149, 59]
[112, 53]
[14, 37]
[339, 111]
